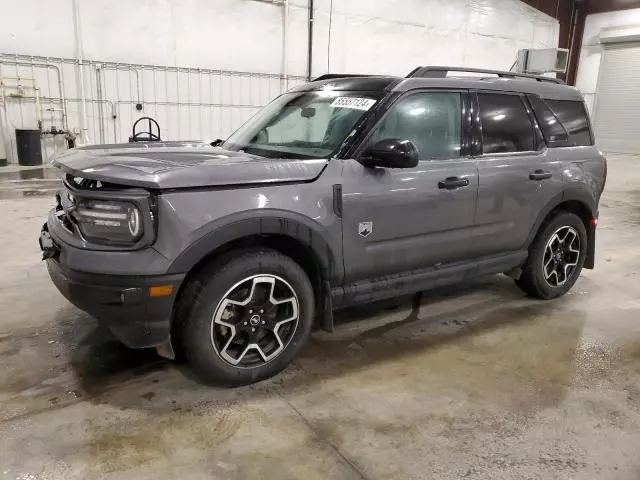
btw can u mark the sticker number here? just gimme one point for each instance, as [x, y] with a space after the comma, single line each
[355, 103]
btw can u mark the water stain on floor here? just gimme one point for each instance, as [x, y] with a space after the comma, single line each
[33, 182]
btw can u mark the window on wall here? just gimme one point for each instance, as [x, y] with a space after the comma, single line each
[430, 120]
[506, 126]
[573, 116]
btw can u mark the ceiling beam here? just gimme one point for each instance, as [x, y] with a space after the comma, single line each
[600, 6]
[550, 7]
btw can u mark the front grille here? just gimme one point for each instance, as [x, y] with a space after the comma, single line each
[67, 200]
[65, 203]
[66, 223]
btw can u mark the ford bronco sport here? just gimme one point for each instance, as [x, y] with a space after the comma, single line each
[344, 190]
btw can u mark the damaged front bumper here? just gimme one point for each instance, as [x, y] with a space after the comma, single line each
[126, 304]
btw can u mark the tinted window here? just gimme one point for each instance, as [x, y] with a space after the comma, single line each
[506, 126]
[554, 133]
[431, 120]
[574, 118]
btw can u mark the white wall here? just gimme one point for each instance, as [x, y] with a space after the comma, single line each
[223, 34]
[385, 37]
[395, 36]
[591, 52]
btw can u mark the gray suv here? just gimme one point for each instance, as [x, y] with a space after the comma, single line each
[345, 190]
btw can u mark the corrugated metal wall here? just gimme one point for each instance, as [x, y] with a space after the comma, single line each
[188, 103]
[617, 104]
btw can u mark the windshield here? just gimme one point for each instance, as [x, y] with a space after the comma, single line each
[302, 124]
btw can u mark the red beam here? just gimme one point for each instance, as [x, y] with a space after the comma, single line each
[579, 18]
[550, 7]
[599, 6]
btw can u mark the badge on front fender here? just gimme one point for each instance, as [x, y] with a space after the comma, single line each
[365, 229]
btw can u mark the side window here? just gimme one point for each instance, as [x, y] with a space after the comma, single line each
[431, 120]
[506, 126]
[573, 116]
[554, 133]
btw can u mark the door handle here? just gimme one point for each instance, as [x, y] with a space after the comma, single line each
[540, 175]
[451, 183]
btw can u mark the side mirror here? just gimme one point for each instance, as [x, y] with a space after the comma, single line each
[391, 153]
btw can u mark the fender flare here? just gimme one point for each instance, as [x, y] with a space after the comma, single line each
[579, 193]
[270, 222]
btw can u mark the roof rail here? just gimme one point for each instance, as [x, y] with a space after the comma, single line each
[441, 72]
[329, 76]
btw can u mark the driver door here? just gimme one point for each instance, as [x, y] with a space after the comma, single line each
[398, 220]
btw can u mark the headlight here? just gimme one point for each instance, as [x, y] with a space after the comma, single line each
[109, 221]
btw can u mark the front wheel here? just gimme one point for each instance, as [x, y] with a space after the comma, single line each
[555, 257]
[246, 317]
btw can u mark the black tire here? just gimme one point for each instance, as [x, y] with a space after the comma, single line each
[204, 295]
[533, 281]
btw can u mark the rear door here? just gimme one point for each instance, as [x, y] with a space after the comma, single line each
[518, 174]
[395, 220]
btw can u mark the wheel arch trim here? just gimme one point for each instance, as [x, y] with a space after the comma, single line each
[270, 222]
[584, 197]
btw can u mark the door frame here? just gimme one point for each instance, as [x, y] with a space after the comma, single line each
[465, 145]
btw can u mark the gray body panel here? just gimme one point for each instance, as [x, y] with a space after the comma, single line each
[509, 201]
[190, 217]
[421, 235]
[185, 166]
[415, 224]
[583, 175]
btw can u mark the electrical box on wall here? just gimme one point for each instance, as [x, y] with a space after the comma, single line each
[543, 60]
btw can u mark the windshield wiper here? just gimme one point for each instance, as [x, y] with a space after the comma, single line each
[217, 143]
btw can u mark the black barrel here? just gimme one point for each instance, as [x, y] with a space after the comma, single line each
[29, 147]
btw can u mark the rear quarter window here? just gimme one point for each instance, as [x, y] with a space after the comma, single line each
[573, 116]
[552, 129]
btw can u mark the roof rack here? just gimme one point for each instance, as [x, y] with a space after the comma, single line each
[329, 76]
[441, 72]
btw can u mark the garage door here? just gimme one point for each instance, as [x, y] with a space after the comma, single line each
[617, 107]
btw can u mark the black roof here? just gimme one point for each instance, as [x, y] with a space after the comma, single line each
[437, 77]
[351, 82]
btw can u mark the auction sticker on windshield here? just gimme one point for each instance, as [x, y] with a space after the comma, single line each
[356, 103]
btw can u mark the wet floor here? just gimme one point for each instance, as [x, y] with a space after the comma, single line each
[29, 182]
[469, 382]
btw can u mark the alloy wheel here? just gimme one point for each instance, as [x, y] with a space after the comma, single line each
[561, 256]
[255, 321]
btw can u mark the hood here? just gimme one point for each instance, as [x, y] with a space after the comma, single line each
[164, 165]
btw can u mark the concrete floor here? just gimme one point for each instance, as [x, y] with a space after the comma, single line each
[473, 382]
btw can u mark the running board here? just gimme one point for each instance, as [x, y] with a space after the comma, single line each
[381, 288]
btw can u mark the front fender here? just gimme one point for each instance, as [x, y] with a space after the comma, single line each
[269, 222]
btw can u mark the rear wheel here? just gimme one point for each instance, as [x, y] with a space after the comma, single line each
[249, 315]
[555, 257]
